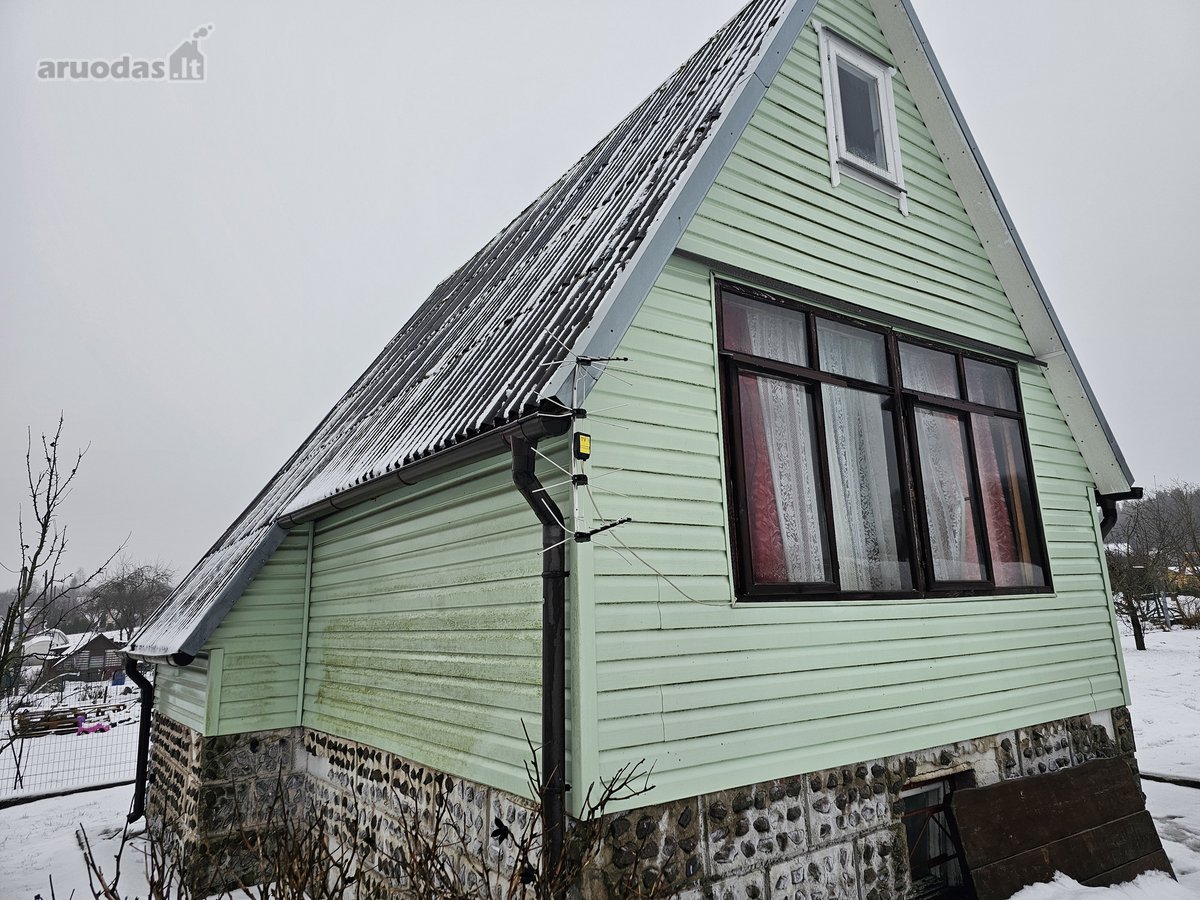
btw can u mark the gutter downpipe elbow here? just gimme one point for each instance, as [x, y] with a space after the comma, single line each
[143, 745]
[1108, 507]
[553, 785]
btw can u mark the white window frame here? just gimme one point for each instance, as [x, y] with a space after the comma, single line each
[841, 161]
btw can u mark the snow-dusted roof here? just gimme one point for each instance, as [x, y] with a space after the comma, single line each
[475, 355]
[572, 271]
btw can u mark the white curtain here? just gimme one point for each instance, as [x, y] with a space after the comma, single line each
[864, 517]
[946, 481]
[788, 420]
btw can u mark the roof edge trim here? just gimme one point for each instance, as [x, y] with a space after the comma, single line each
[191, 643]
[616, 313]
[1018, 244]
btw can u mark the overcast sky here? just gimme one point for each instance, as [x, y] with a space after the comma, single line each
[194, 273]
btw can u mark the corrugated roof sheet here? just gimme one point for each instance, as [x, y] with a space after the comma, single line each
[476, 353]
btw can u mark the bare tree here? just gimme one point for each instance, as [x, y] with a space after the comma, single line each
[1154, 551]
[44, 597]
[123, 600]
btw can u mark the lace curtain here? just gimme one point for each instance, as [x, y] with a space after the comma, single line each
[784, 492]
[949, 505]
[863, 474]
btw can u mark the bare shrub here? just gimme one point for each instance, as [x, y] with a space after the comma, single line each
[291, 850]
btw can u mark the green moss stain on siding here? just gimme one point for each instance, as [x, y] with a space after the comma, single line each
[259, 642]
[774, 211]
[425, 624]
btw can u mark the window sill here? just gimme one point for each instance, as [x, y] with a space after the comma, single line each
[847, 167]
[907, 598]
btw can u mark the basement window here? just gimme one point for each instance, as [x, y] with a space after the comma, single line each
[860, 116]
[932, 842]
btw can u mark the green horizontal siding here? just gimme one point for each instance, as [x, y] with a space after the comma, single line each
[182, 693]
[774, 211]
[259, 641]
[717, 695]
[425, 624]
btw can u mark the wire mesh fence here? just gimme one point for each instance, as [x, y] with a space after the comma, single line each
[70, 742]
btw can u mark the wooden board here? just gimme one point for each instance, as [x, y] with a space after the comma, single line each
[1089, 822]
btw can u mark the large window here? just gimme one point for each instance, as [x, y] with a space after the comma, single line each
[866, 464]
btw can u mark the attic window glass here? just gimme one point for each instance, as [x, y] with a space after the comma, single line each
[859, 110]
[864, 466]
[860, 116]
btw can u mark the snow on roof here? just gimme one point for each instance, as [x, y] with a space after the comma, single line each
[474, 356]
[81, 640]
[46, 643]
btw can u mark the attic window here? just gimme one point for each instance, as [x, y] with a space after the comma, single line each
[860, 116]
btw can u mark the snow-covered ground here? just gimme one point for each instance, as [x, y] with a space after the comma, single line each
[1165, 683]
[38, 840]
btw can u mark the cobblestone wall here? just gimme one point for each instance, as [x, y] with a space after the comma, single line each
[836, 833]
[207, 795]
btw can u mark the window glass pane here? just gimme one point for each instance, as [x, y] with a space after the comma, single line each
[784, 500]
[951, 507]
[990, 385]
[763, 329]
[929, 371]
[1008, 503]
[853, 352]
[862, 122]
[868, 519]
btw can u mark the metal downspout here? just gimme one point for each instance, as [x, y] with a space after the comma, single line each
[554, 575]
[143, 746]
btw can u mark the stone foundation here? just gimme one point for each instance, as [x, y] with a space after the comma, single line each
[835, 833]
[207, 796]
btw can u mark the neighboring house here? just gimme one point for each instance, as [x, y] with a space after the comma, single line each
[36, 653]
[91, 656]
[863, 564]
[44, 646]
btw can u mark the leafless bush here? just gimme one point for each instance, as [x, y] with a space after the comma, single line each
[1186, 611]
[290, 851]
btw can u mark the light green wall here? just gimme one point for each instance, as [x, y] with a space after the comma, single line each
[182, 694]
[425, 627]
[247, 674]
[260, 644]
[719, 696]
[774, 211]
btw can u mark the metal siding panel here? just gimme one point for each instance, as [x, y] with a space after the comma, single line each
[259, 641]
[425, 628]
[715, 694]
[773, 209]
[182, 693]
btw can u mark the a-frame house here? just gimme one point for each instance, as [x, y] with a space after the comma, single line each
[752, 448]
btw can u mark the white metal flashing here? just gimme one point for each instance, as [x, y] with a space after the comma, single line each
[615, 314]
[990, 218]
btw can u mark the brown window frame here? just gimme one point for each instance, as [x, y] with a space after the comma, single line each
[901, 403]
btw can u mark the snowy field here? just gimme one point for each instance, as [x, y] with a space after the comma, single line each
[1165, 682]
[38, 839]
